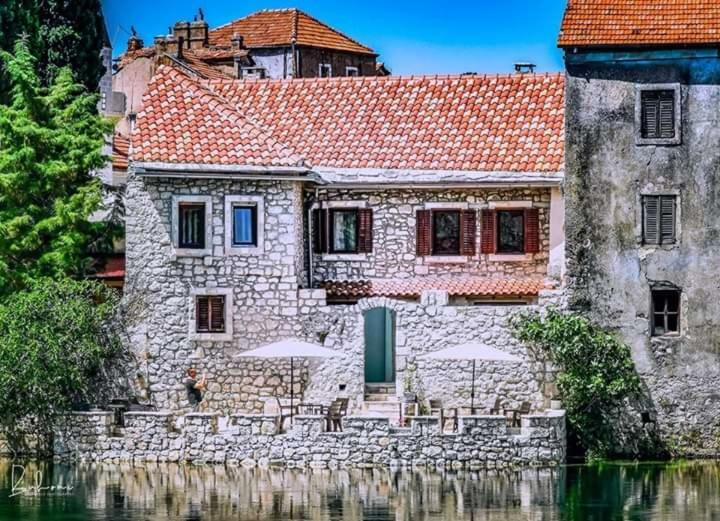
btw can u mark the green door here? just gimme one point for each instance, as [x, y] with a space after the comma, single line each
[379, 346]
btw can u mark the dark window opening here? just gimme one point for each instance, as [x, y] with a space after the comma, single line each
[511, 231]
[191, 226]
[658, 114]
[344, 231]
[446, 232]
[659, 219]
[244, 232]
[325, 70]
[665, 311]
[210, 314]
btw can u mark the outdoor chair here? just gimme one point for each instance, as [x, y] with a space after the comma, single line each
[335, 413]
[516, 413]
[497, 407]
[436, 407]
[285, 411]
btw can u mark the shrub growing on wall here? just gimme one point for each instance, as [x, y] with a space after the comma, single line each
[596, 373]
[56, 339]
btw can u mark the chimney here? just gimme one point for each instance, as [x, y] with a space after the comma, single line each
[525, 67]
[134, 43]
[237, 42]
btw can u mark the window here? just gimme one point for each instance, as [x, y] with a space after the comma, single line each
[446, 232]
[244, 225]
[352, 71]
[343, 231]
[191, 226]
[657, 114]
[210, 314]
[325, 70]
[658, 219]
[665, 311]
[511, 231]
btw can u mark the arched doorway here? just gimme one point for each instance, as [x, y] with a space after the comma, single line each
[380, 345]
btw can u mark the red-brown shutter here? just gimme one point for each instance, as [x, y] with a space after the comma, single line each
[217, 314]
[468, 230]
[488, 231]
[365, 230]
[423, 235]
[202, 313]
[319, 224]
[532, 230]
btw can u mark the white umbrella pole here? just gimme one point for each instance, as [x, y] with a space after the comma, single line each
[472, 392]
[292, 387]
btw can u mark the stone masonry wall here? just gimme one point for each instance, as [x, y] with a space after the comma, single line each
[394, 239]
[250, 440]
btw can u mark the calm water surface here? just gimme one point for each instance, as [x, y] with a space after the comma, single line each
[682, 491]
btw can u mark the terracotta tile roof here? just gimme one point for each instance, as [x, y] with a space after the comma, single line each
[457, 287]
[130, 56]
[640, 23]
[510, 123]
[114, 268]
[182, 122]
[212, 54]
[120, 152]
[198, 65]
[278, 27]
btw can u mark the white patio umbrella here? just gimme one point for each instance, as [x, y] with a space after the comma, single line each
[472, 351]
[291, 348]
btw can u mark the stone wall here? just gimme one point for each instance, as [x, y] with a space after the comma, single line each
[394, 236]
[481, 441]
[610, 270]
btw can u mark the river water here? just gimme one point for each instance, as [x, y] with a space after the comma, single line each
[677, 491]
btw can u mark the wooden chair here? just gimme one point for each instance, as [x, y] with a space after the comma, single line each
[335, 413]
[516, 413]
[436, 407]
[285, 411]
[495, 409]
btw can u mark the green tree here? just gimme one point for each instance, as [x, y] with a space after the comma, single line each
[58, 340]
[596, 373]
[60, 33]
[50, 143]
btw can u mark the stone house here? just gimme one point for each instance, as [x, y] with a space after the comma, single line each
[643, 86]
[382, 217]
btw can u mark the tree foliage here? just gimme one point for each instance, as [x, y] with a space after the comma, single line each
[50, 143]
[61, 33]
[596, 372]
[56, 339]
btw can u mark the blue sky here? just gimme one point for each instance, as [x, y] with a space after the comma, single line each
[412, 37]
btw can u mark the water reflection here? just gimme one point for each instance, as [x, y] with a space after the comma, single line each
[169, 491]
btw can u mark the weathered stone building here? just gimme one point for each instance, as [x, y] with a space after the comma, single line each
[642, 163]
[382, 217]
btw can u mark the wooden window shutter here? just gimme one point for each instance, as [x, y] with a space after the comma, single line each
[217, 314]
[468, 231]
[658, 114]
[365, 230]
[651, 208]
[202, 313]
[488, 231]
[650, 111]
[667, 219]
[532, 230]
[666, 110]
[423, 239]
[319, 225]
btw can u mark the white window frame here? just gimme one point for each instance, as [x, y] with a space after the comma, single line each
[510, 257]
[445, 259]
[352, 68]
[209, 336]
[320, 68]
[177, 200]
[244, 200]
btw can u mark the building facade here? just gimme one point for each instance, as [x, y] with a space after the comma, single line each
[641, 169]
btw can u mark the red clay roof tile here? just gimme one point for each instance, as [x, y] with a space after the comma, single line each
[640, 23]
[120, 152]
[412, 288]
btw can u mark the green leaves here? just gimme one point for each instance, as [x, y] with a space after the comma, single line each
[50, 143]
[596, 371]
[55, 340]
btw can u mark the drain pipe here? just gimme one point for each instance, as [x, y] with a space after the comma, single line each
[311, 246]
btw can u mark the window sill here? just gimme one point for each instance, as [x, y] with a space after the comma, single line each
[510, 257]
[211, 337]
[192, 252]
[332, 257]
[446, 259]
[244, 250]
[660, 142]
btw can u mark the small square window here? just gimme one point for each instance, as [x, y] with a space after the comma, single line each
[658, 114]
[658, 219]
[210, 314]
[352, 71]
[344, 231]
[446, 232]
[665, 311]
[191, 226]
[510, 231]
[325, 70]
[244, 225]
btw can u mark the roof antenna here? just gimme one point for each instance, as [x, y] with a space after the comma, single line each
[200, 16]
[133, 31]
[524, 67]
